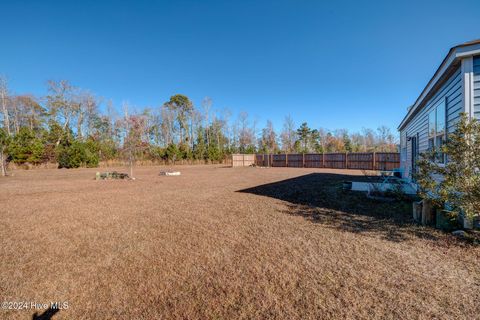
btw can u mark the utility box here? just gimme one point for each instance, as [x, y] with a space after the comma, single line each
[446, 220]
[428, 213]
[417, 211]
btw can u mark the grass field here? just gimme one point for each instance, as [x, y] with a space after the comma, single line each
[223, 243]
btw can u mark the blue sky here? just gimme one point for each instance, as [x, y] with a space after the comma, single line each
[334, 64]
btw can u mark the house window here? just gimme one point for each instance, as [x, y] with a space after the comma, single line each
[437, 130]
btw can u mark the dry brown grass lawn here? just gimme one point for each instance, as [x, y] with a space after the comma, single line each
[222, 243]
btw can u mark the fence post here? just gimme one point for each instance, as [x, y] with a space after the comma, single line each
[243, 160]
[346, 160]
[303, 160]
[373, 160]
[286, 159]
[323, 159]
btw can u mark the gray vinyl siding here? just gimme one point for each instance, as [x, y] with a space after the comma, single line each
[476, 86]
[451, 90]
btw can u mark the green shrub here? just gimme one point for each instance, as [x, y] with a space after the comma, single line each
[172, 153]
[156, 153]
[78, 154]
[107, 150]
[70, 156]
[25, 147]
[214, 153]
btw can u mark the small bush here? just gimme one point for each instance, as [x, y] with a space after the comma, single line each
[172, 153]
[77, 154]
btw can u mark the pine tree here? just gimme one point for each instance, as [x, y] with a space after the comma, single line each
[304, 135]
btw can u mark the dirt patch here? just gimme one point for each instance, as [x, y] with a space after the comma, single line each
[219, 242]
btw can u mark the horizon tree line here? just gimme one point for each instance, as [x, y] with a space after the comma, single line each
[73, 127]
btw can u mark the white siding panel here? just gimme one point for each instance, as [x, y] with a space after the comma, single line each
[476, 92]
[451, 90]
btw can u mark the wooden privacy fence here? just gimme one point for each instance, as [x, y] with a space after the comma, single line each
[243, 160]
[361, 161]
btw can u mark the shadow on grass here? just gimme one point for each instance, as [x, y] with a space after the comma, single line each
[319, 198]
[47, 315]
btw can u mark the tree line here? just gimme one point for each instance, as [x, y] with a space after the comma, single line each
[73, 127]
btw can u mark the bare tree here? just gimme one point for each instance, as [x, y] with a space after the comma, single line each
[235, 136]
[357, 142]
[126, 140]
[91, 111]
[135, 139]
[226, 114]
[196, 124]
[4, 101]
[323, 138]
[245, 135]
[386, 140]
[87, 111]
[254, 131]
[369, 140]
[207, 104]
[288, 135]
[167, 126]
[30, 112]
[61, 102]
[112, 116]
[4, 137]
[268, 142]
[16, 114]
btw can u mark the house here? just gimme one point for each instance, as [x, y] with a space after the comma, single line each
[453, 89]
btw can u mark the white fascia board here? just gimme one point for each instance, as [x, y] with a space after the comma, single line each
[469, 51]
